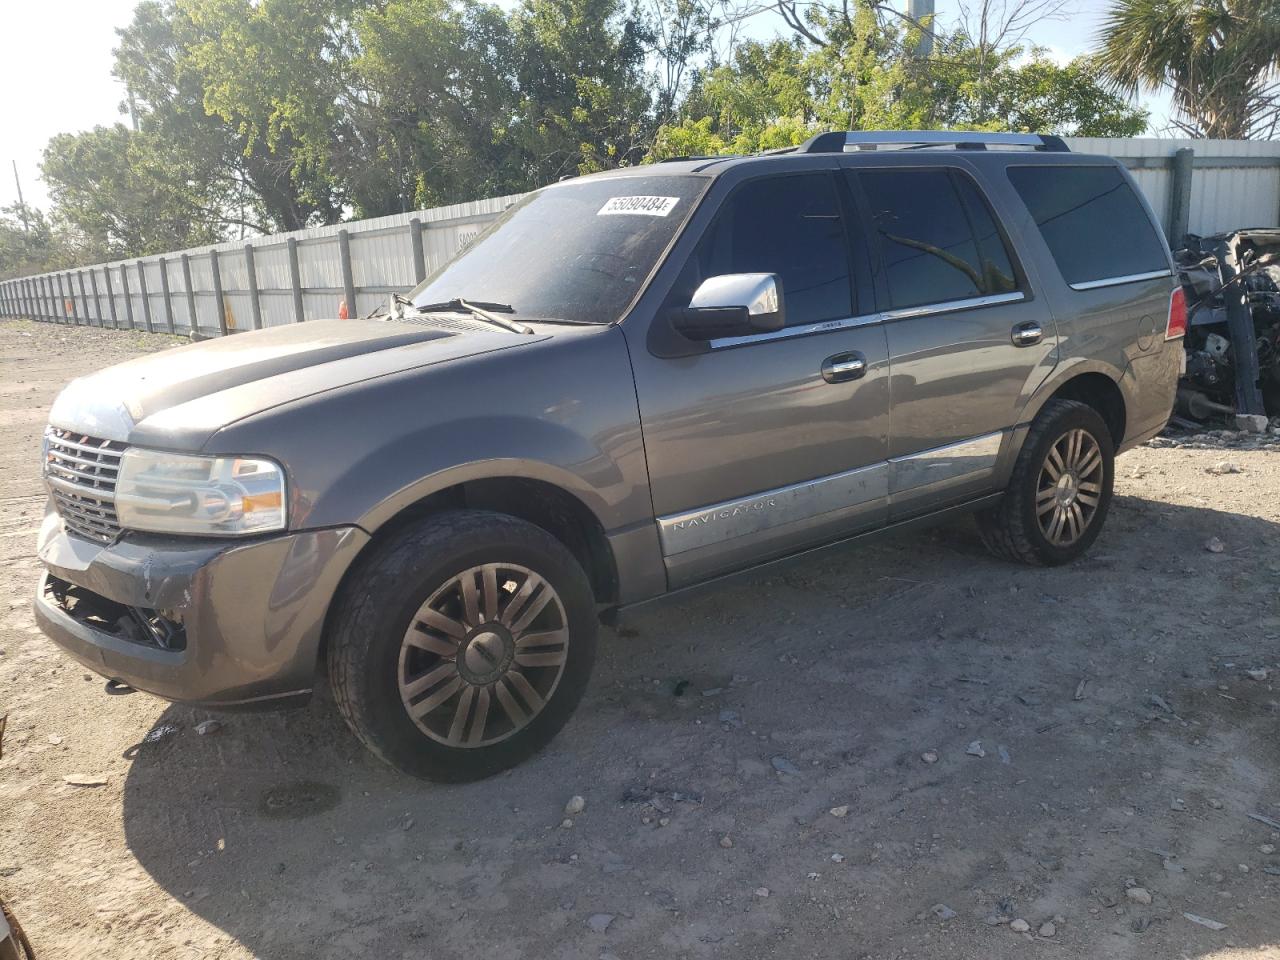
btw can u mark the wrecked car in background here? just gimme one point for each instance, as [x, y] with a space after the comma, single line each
[1232, 285]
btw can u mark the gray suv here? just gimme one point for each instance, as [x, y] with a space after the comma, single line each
[631, 383]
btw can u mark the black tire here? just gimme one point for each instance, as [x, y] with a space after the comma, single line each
[1012, 529]
[384, 598]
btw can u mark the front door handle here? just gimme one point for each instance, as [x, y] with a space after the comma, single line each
[1027, 334]
[844, 366]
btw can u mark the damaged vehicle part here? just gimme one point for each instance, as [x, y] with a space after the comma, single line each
[1232, 285]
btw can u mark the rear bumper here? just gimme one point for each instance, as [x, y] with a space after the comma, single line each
[252, 614]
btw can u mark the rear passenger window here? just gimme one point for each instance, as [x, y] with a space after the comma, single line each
[938, 238]
[789, 226]
[1092, 221]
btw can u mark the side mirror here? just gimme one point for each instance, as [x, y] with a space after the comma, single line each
[733, 305]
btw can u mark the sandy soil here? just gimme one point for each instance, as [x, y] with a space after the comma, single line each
[1125, 745]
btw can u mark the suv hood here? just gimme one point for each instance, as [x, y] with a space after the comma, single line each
[178, 398]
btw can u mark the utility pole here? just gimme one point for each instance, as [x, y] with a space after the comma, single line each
[22, 207]
[920, 16]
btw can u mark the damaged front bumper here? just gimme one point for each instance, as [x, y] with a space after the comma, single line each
[220, 623]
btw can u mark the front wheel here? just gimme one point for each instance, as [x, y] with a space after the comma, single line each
[463, 645]
[1060, 490]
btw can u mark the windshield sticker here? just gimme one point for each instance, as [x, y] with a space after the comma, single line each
[639, 206]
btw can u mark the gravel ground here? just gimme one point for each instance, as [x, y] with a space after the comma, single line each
[901, 750]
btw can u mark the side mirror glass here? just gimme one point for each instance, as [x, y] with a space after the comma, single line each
[732, 305]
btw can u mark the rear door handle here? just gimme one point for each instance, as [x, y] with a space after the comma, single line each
[844, 366]
[1027, 334]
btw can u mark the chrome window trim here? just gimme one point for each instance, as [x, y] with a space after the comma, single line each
[824, 326]
[946, 306]
[1116, 281]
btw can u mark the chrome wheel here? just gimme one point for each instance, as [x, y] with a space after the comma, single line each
[1069, 488]
[483, 655]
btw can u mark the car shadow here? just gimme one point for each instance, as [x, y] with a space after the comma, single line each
[719, 733]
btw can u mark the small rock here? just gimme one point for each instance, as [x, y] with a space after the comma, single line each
[730, 718]
[575, 806]
[1242, 867]
[975, 749]
[840, 811]
[1214, 545]
[84, 780]
[1251, 423]
[727, 842]
[1139, 895]
[1177, 804]
[566, 823]
[1174, 867]
[1258, 673]
[762, 892]
[929, 756]
[664, 821]
[1223, 467]
[837, 858]
[599, 922]
[1003, 751]
[1215, 803]
[55, 739]
[1047, 929]
[783, 765]
[206, 727]
[1019, 926]
[942, 911]
[1267, 849]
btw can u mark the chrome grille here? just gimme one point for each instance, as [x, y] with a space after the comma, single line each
[81, 472]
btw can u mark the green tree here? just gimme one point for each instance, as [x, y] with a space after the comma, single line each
[1219, 59]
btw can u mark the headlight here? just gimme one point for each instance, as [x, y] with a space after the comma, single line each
[216, 496]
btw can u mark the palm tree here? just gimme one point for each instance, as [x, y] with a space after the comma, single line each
[1220, 59]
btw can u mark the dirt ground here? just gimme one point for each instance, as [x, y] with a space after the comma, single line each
[1125, 745]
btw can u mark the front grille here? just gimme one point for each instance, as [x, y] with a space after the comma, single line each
[81, 472]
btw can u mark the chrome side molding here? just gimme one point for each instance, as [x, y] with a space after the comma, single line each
[1117, 281]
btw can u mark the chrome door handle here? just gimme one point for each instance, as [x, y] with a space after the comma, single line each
[843, 367]
[1027, 334]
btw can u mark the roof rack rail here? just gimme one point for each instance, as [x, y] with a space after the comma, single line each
[838, 140]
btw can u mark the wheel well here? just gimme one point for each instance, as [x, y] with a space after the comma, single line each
[1100, 392]
[543, 504]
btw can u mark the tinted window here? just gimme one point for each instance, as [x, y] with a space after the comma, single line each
[1092, 221]
[577, 251]
[938, 238]
[785, 225]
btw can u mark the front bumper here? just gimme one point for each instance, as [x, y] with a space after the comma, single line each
[251, 613]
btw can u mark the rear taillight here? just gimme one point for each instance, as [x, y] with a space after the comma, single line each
[1177, 325]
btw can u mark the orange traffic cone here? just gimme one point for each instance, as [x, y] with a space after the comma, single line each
[342, 310]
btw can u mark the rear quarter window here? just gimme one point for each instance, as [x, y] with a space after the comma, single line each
[1092, 221]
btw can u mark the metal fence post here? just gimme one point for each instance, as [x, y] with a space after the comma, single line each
[97, 300]
[295, 280]
[46, 286]
[168, 296]
[252, 271]
[218, 300]
[348, 282]
[68, 297]
[146, 300]
[1180, 196]
[419, 254]
[111, 298]
[84, 300]
[128, 294]
[191, 294]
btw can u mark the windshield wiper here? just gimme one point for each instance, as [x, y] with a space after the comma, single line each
[479, 309]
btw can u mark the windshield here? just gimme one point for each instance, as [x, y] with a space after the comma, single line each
[577, 252]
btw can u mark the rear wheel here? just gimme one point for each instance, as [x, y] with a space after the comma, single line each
[1060, 490]
[463, 645]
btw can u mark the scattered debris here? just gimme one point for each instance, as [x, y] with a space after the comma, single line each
[730, 718]
[840, 811]
[1139, 895]
[575, 806]
[1178, 805]
[1267, 849]
[660, 799]
[1215, 803]
[1081, 687]
[55, 739]
[160, 733]
[929, 756]
[84, 780]
[762, 892]
[1267, 820]
[1172, 867]
[783, 765]
[1019, 926]
[726, 842]
[1258, 673]
[975, 749]
[1214, 545]
[206, 727]
[1047, 929]
[599, 922]
[566, 824]
[1003, 751]
[1205, 922]
[942, 911]
[1222, 467]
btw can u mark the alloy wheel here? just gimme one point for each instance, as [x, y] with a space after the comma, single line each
[483, 655]
[1069, 488]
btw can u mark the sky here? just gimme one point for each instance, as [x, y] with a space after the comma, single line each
[56, 72]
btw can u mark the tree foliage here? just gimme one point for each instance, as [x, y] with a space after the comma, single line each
[251, 116]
